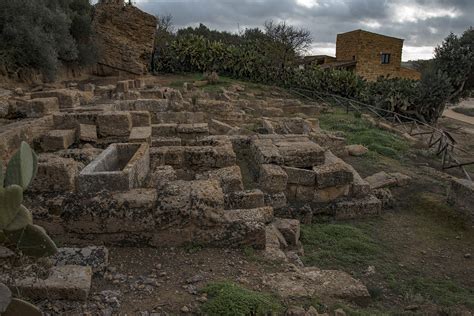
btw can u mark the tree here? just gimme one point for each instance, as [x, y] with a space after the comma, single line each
[455, 57]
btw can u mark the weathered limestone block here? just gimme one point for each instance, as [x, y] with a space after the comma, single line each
[38, 107]
[160, 176]
[200, 202]
[165, 141]
[172, 94]
[83, 155]
[461, 195]
[58, 140]
[244, 199]
[88, 133]
[167, 155]
[153, 93]
[4, 108]
[56, 174]
[219, 128]
[304, 193]
[122, 86]
[332, 175]
[64, 283]
[164, 130]
[140, 83]
[356, 150]
[95, 257]
[140, 118]
[67, 98]
[357, 208]
[300, 176]
[265, 152]
[331, 194]
[114, 124]
[309, 282]
[262, 215]
[140, 135]
[118, 168]
[209, 156]
[110, 212]
[274, 243]
[290, 229]
[275, 200]
[301, 154]
[272, 178]
[230, 178]
[73, 120]
[193, 131]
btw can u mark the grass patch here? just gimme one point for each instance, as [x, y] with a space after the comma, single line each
[338, 246]
[227, 298]
[465, 111]
[190, 78]
[359, 131]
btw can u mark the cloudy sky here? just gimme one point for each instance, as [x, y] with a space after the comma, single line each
[422, 23]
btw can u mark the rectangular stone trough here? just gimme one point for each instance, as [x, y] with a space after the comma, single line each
[120, 167]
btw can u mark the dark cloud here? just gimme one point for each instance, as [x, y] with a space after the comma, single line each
[422, 23]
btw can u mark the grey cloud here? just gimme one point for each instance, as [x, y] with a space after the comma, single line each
[324, 20]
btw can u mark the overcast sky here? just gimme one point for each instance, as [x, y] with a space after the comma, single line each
[422, 23]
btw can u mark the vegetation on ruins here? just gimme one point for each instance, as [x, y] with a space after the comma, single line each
[42, 34]
[16, 222]
[271, 56]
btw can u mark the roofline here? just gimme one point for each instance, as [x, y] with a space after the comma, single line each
[361, 30]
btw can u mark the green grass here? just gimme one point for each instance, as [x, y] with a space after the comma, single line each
[224, 82]
[359, 131]
[227, 298]
[465, 111]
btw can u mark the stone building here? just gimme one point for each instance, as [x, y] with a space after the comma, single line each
[125, 37]
[370, 55]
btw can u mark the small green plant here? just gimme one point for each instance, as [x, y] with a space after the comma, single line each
[227, 298]
[16, 222]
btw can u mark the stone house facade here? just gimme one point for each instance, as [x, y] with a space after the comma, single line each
[374, 55]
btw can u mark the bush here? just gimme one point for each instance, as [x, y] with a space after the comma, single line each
[40, 34]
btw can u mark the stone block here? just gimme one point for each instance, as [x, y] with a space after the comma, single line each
[244, 199]
[381, 180]
[95, 257]
[304, 193]
[67, 98]
[357, 208]
[461, 195]
[193, 131]
[38, 107]
[331, 194]
[120, 167]
[199, 157]
[301, 154]
[161, 175]
[272, 178]
[167, 155]
[219, 128]
[140, 83]
[275, 200]
[261, 215]
[290, 229]
[88, 133]
[140, 135]
[55, 174]
[73, 120]
[164, 130]
[300, 176]
[70, 282]
[122, 86]
[58, 139]
[230, 178]
[165, 141]
[112, 124]
[140, 118]
[332, 175]
[265, 152]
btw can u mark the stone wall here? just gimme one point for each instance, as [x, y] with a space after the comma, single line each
[366, 48]
[125, 36]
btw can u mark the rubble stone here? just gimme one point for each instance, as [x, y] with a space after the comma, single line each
[58, 140]
[95, 257]
[38, 107]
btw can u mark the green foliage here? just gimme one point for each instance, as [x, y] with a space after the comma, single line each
[226, 298]
[16, 221]
[41, 34]
[22, 167]
[359, 131]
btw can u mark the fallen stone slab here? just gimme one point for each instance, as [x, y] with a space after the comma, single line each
[290, 229]
[357, 208]
[310, 282]
[383, 180]
[64, 283]
[95, 257]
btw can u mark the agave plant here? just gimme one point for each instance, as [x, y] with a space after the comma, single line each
[16, 222]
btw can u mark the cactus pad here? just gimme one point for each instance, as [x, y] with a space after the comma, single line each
[22, 167]
[22, 218]
[32, 241]
[10, 204]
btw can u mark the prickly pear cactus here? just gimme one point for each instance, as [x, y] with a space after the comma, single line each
[22, 167]
[10, 204]
[32, 241]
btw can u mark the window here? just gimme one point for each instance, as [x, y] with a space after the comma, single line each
[385, 58]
